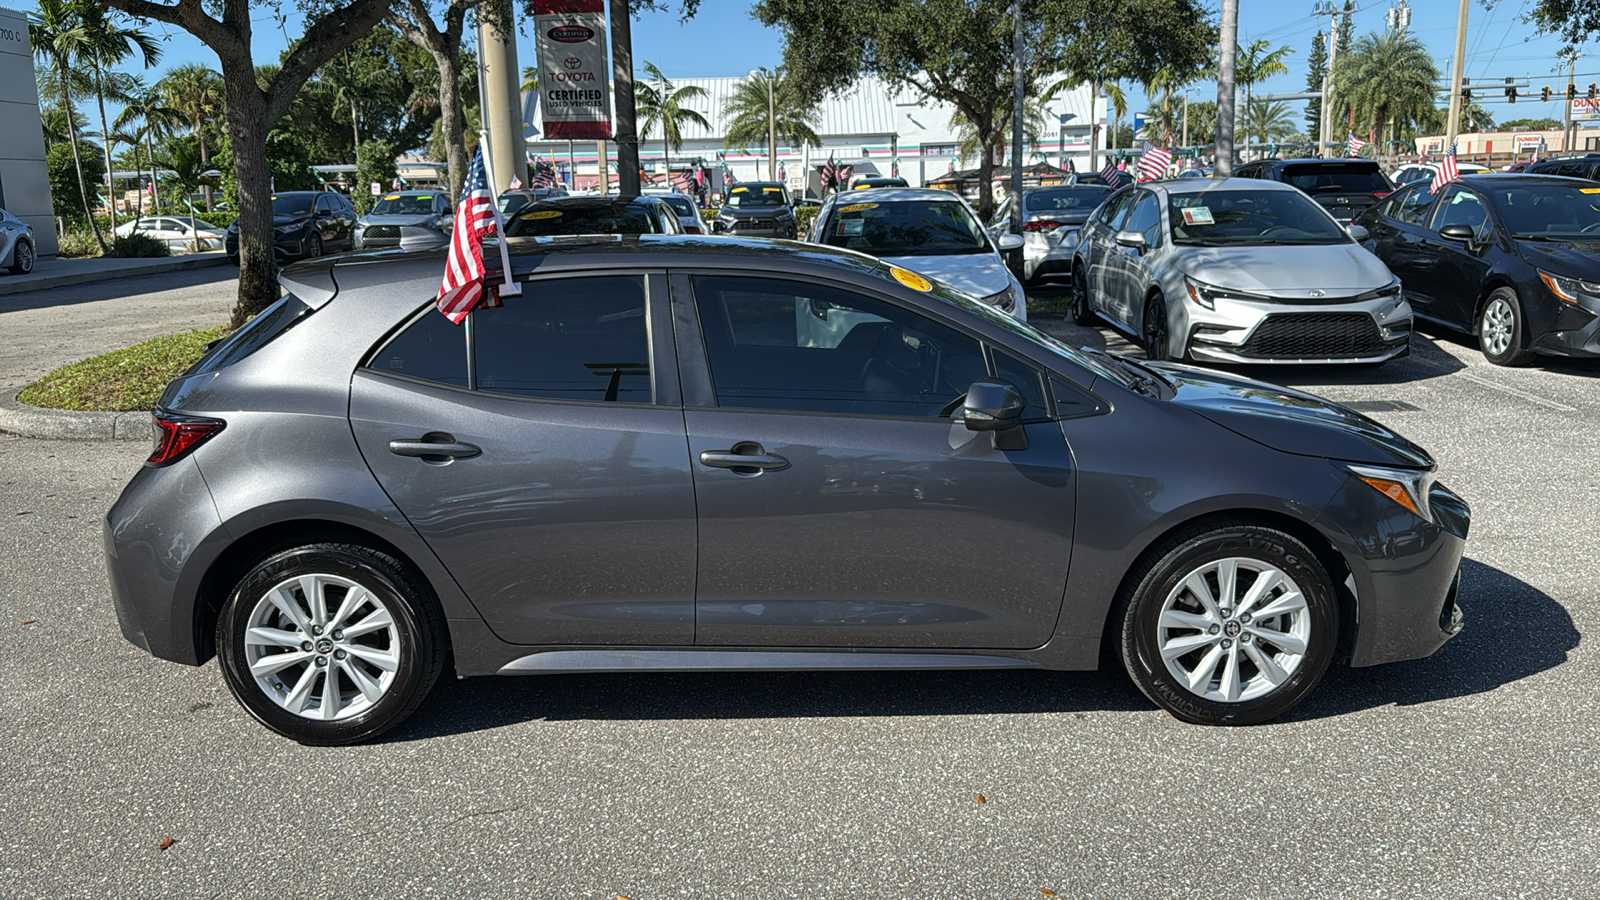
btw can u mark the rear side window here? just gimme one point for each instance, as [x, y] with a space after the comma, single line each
[1326, 178]
[257, 333]
[573, 339]
[431, 348]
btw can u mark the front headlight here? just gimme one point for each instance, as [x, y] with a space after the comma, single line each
[292, 226]
[1568, 289]
[1406, 487]
[1002, 300]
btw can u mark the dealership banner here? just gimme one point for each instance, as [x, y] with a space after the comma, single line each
[574, 91]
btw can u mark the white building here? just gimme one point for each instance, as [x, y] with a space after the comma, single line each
[874, 128]
[24, 177]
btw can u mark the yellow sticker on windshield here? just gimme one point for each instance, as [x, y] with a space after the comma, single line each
[772, 190]
[857, 207]
[542, 214]
[1589, 190]
[392, 197]
[740, 190]
[910, 279]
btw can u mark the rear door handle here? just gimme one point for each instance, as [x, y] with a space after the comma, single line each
[435, 447]
[745, 458]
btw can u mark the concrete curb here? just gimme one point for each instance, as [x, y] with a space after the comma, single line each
[21, 419]
[19, 284]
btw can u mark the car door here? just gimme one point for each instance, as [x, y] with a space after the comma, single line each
[1098, 249]
[1399, 233]
[866, 512]
[1135, 274]
[559, 495]
[1459, 268]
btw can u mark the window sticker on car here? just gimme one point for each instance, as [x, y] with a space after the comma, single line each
[542, 214]
[772, 190]
[850, 227]
[1198, 215]
[857, 207]
[392, 197]
[1589, 190]
[910, 279]
[739, 190]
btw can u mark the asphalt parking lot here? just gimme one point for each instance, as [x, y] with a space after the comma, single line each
[1471, 773]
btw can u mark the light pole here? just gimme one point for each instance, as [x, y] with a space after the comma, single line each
[1325, 127]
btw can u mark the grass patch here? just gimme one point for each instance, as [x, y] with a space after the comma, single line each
[122, 380]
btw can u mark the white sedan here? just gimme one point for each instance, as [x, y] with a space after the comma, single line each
[174, 230]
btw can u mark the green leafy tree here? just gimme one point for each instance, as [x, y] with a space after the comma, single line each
[67, 171]
[1387, 77]
[376, 167]
[1316, 72]
[62, 42]
[146, 117]
[1034, 126]
[1257, 63]
[196, 92]
[1269, 120]
[110, 44]
[1202, 123]
[456, 79]
[1530, 124]
[661, 104]
[794, 119]
[960, 51]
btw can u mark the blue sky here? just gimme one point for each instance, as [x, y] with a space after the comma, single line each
[724, 40]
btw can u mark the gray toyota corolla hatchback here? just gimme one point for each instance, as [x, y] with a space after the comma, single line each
[679, 453]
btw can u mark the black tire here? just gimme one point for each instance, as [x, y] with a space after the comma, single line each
[1140, 613]
[1081, 313]
[313, 246]
[21, 258]
[1502, 332]
[234, 258]
[1153, 332]
[417, 640]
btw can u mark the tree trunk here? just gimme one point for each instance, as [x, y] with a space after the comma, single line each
[138, 192]
[988, 136]
[105, 146]
[248, 127]
[77, 159]
[150, 156]
[454, 119]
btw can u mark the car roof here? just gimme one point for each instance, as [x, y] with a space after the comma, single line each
[658, 192]
[892, 194]
[592, 202]
[1203, 185]
[414, 192]
[1495, 179]
[1319, 160]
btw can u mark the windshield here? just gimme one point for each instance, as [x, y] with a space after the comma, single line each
[1549, 210]
[1214, 218]
[755, 196]
[402, 205]
[906, 228]
[1082, 200]
[297, 206]
[1343, 178]
[536, 222]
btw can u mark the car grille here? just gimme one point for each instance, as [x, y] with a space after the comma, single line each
[381, 231]
[1316, 336]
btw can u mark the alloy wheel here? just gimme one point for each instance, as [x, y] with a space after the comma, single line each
[1499, 326]
[24, 257]
[322, 646]
[1234, 629]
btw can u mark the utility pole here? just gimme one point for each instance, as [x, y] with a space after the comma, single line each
[1566, 107]
[1225, 87]
[772, 128]
[1453, 123]
[627, 134]
[1398, 18]
[1016, 117]
[502, 113]
[1185, 118]
[1325, 127]
[1094, 126]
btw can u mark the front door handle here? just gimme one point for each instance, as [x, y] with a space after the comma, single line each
[744, 458]
[435, 447]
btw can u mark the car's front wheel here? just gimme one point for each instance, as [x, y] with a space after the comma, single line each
[1082, 313]
[1501, 332]
[22, 258]
[1155, 328]
[1228, 624]
[330, 643]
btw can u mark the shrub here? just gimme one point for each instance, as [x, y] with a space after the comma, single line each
[803, 217]
[137, 245]
[77, 245]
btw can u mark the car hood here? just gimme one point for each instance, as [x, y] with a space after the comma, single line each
[1574, 259]
[396, 220]
[978, 274]
[285, 220]
[755, 213]
[1276, 270]
[1289, 420]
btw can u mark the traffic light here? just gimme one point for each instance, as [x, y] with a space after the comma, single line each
[1466, 95]
[1544, 93]
[1572, 91]
[1593, 90]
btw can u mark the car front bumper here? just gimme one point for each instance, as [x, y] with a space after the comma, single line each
[1276, 333]
[284, 246]
[407, 238]
[1575, 332]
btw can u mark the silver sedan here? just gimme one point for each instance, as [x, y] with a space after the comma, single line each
[1237, 270]
[17, 249]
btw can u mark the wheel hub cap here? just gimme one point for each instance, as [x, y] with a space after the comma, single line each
[1234, 629]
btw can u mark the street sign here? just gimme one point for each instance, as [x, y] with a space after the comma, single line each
[574, 83]
[1585, 108]
[1526, 142]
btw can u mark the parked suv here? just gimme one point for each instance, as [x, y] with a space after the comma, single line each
[305, 224]
[757, 209]
[1345, 187]
[1569, 166]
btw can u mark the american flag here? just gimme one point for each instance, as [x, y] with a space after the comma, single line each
[1110, 175]
[1355, 144]
[830, 173]
[544, 175]
[1447, 171]
[476, 218]
[1153, 164]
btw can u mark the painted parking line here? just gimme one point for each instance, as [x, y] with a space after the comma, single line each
[1531, 398]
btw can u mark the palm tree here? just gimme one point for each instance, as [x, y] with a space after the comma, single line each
[61, 41]
[111, 43]
[146, 118]
[661, 103]
[1033, 129]
[1111, 90]
[530, 78]
[1385, 78]
[1270, 119]
[196, 93]
[794, 121]
[1256, 64]
[1166, 114]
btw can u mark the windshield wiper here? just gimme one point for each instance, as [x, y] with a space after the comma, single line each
[1141, 378]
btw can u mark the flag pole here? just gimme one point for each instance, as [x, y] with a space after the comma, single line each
[510, 288]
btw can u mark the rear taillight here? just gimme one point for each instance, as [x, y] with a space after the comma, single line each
[176, 435]
[1046, 225]
[692, 229]
[1381, 194]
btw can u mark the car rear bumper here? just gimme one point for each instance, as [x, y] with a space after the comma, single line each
[1043, 255]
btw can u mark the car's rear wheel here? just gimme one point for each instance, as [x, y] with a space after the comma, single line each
[1501, 331]
[1081, 311]
[1230, 624]
[1155, 328]
[330, 643]
[21, 258]
[314, 245]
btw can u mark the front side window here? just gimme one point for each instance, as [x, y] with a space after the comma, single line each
[1116, 209]
[1146, 219]
[793, 347]
[324, 205]
[1460, 206]
[571, 339]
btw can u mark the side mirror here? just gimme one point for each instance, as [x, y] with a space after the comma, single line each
[996, 408]
[1358, 232]
[1009, 241]
[718, 227]
[1133, 240]
[1461, 233]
